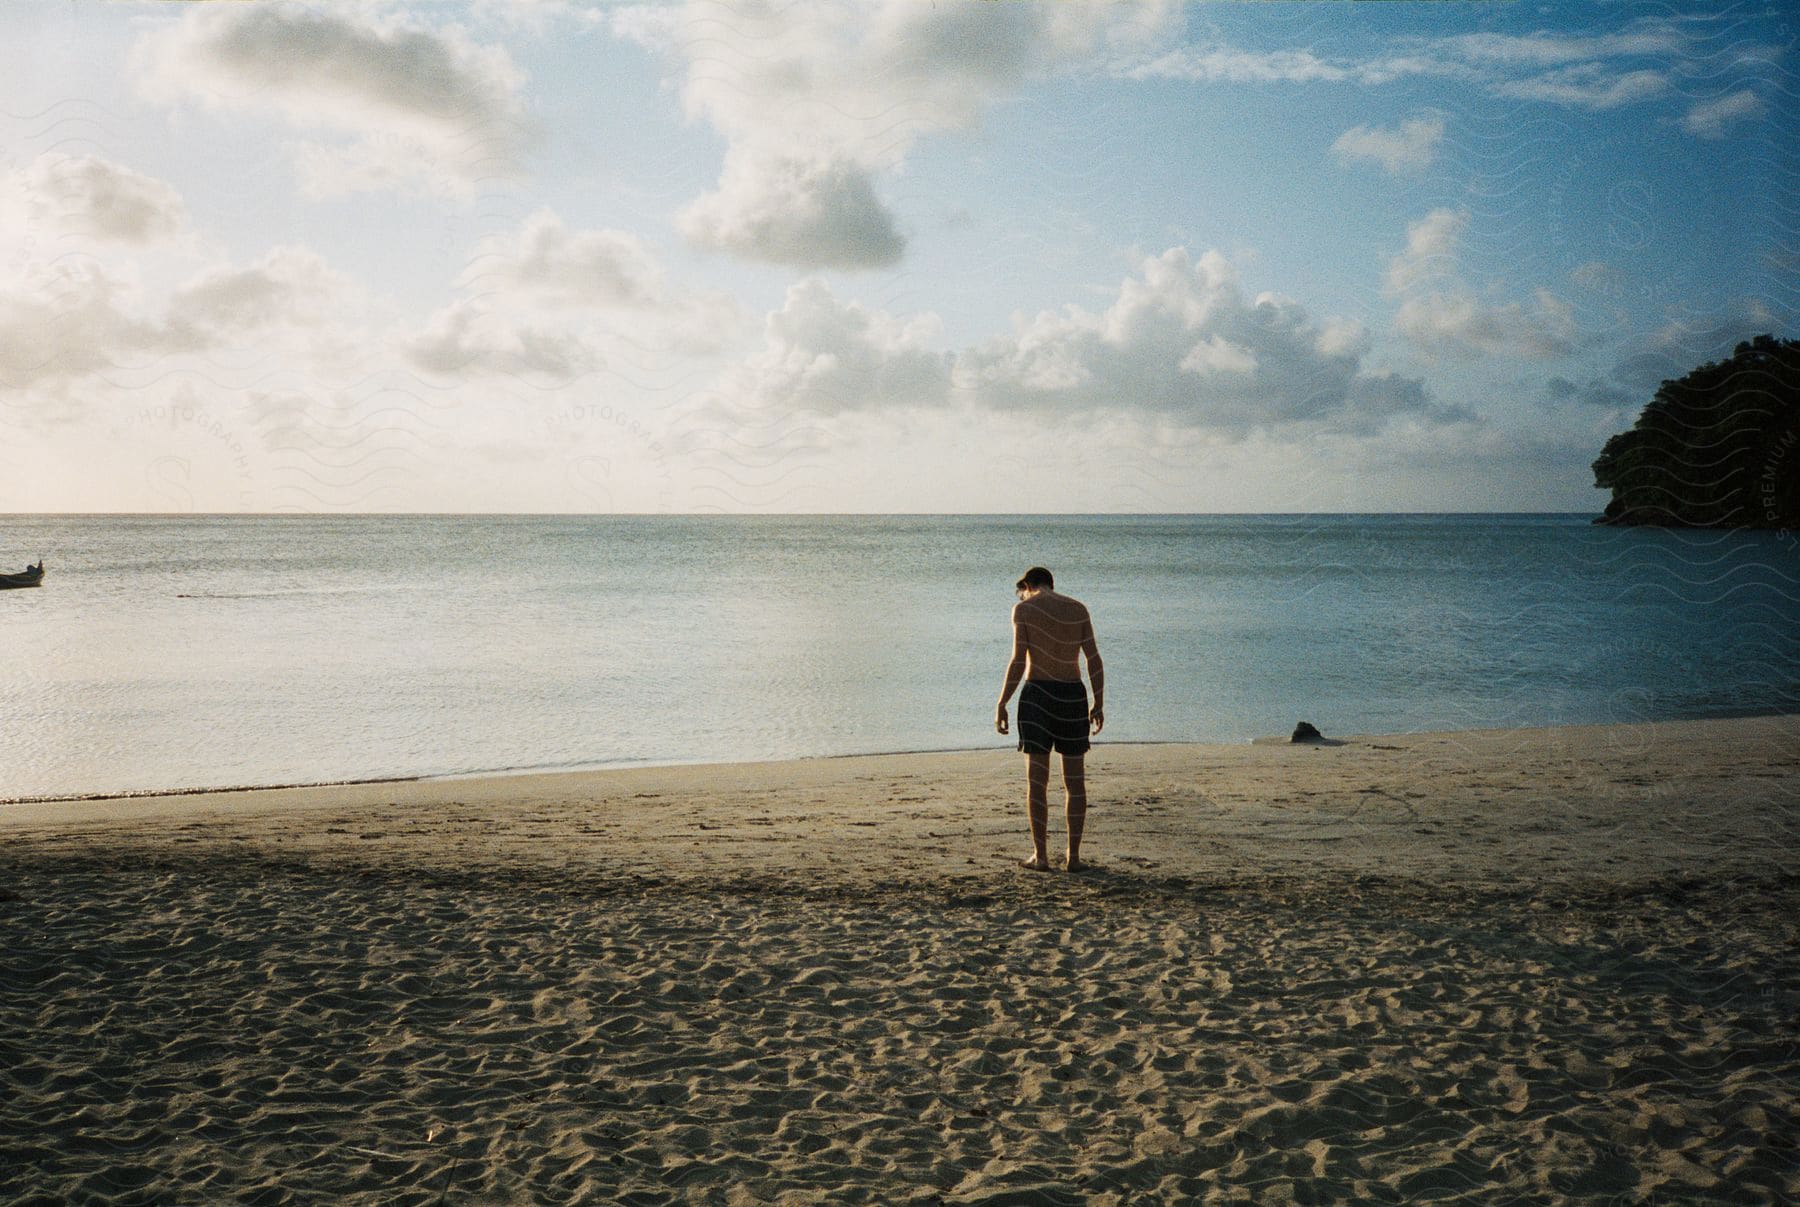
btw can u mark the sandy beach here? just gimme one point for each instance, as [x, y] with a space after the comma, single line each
[1532, 965]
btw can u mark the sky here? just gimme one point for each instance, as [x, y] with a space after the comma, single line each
[883, 256]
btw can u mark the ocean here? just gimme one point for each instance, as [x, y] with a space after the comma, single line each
[219, 651]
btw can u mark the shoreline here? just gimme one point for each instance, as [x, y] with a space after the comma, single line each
[7, 802]
[1638, 800]
[509, 772]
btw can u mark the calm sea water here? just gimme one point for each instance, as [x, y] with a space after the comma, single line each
[212, 651]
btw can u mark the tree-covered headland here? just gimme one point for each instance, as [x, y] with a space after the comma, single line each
[1720, 448]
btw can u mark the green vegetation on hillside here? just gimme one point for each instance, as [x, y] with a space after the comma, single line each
[1720, 448]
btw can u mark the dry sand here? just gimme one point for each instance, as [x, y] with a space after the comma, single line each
[1520, 965]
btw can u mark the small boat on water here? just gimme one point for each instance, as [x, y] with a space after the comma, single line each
[31, 576]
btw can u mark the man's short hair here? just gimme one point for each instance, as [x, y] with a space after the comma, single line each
[1037, 576]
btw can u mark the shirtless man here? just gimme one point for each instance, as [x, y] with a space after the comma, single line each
[1050, 631]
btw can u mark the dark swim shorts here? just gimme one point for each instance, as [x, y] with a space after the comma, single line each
[1053, 713]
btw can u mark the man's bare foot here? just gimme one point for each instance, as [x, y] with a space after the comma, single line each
[1034, 864]
[1072, 864]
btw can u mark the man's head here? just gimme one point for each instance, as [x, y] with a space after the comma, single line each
[1035, 579]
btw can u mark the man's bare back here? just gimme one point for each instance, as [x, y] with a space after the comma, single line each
[1054, 630]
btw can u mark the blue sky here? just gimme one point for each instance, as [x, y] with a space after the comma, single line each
[871, 257]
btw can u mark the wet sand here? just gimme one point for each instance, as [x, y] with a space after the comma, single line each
[1525, 965]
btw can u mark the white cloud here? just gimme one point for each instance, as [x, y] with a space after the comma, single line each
[1655, 39]
[1709, 118]
[550, 301]
[817, 100]
[823, 363]
[69, 319]
[801, 212]
[1431, 249]
[1179, 351]
[824, 355]
[1410, 148]
[1219, 63]
[598, 268]
[86, 196]
[1444, 315]
[606, 275]
[1588, 86]
[1585, 71]
[1460, 324]
[405, 105]
[1179, 345]
[288, 286]
[1181, 341]
[466, 339]
[863, 81]
[1487, 60]
[1215, 354]
[1343, 337]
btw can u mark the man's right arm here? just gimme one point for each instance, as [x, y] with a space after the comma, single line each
[1015, 666]
[1015, 670]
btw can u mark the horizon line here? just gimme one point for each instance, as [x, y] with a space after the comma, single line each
[749, 514]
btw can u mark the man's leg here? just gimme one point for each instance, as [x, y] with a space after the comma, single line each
[1075, 785]
[1037, 805]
